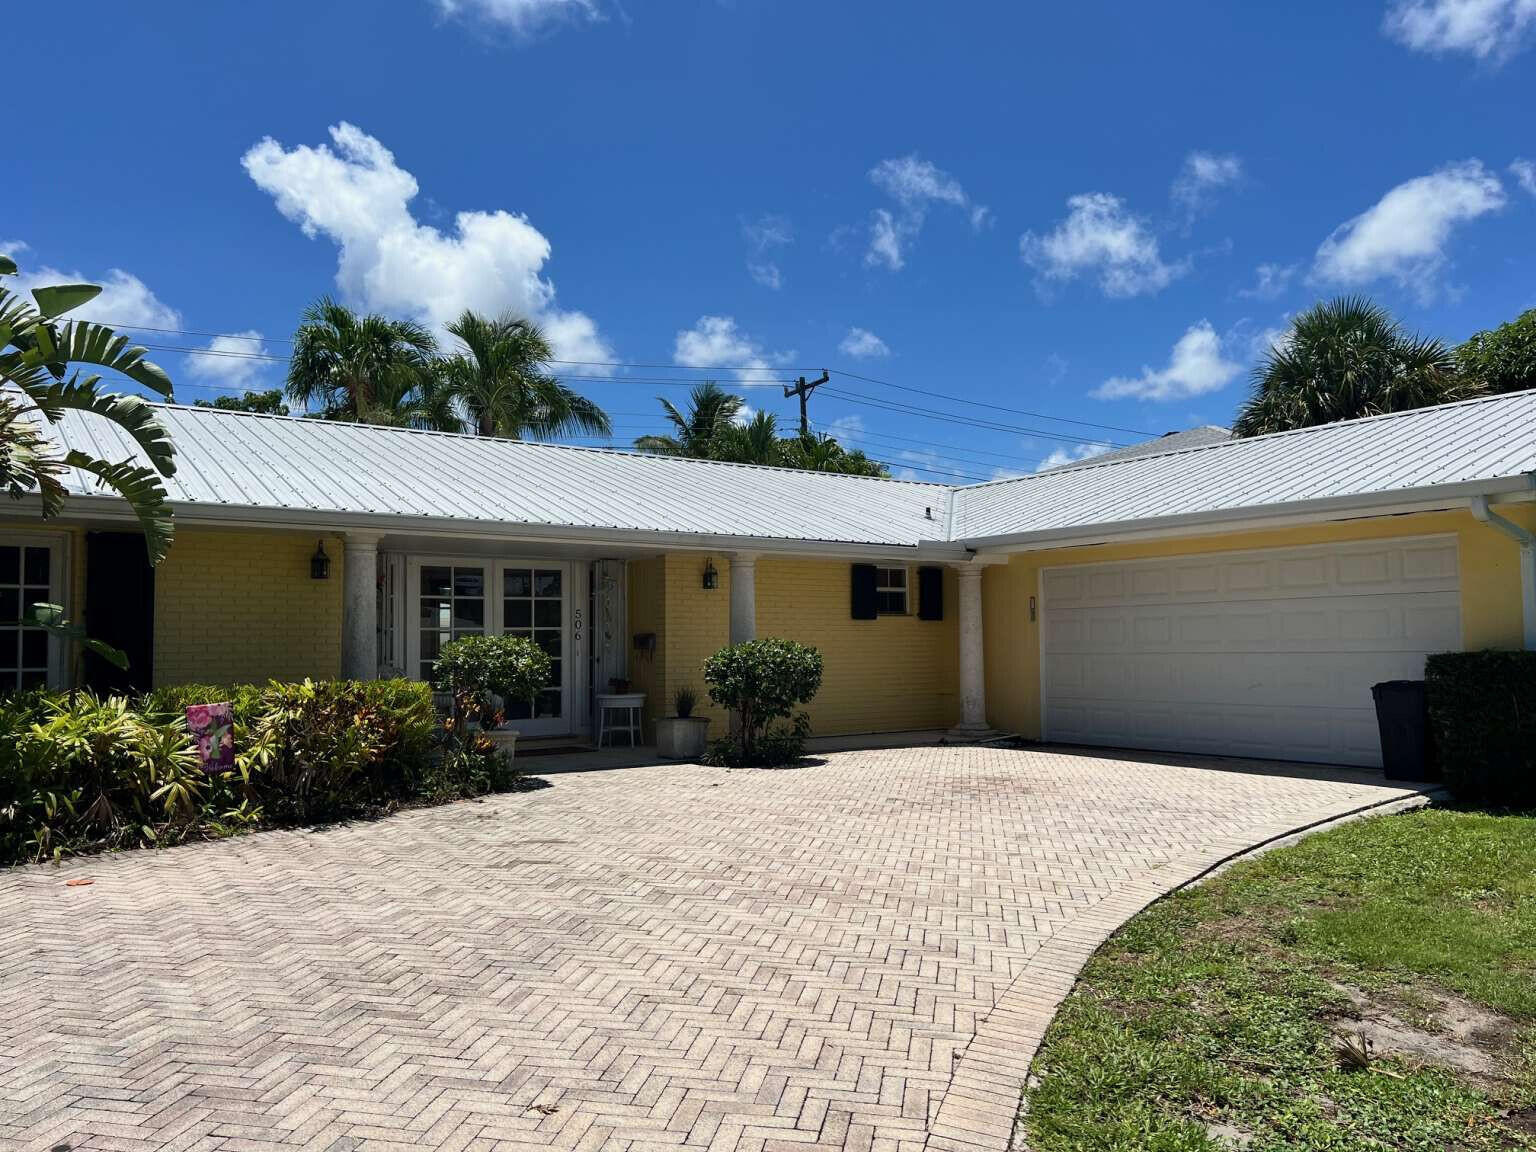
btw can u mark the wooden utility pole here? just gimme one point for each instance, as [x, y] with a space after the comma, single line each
[803, 389]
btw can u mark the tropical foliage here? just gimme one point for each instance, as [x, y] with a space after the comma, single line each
[760, 682]
[41, 359]
[269, 403]
[711, 428]
[1502, 359]
[1343, 359]
[352, 367]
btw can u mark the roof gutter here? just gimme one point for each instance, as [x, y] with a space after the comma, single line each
[1431, 499]
[1527, 541]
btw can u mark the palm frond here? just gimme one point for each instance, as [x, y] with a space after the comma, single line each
[144, 491]
[134, 415]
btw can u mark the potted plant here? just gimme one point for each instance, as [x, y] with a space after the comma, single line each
[682, 736]
[480, 673]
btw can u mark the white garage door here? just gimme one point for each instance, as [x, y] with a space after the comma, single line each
[1267, 654]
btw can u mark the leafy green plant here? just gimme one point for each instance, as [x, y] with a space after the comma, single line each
[761, 681]
[1482, 710]
[684, 700]
[1502, 359]
[476, 670]
[38, 355]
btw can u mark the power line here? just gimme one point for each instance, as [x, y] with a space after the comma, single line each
[971, 422]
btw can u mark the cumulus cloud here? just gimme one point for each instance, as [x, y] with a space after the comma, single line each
[1099, 237]
[1269, 281]
[1524, 172]
[522, 16]
[1196, 366]
[125, 300]
[763, 236]
[358, 197]
[1485, 29]
[862, 344]
[717, 342]
[1201, 177]
[229, 360]
[1060, 457]
[915, 185]
[1403, 236]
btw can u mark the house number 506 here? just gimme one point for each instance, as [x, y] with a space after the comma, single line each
[576, 626]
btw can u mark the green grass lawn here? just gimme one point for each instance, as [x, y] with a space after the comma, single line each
[1214, 1020]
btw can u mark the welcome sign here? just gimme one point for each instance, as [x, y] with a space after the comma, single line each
[213, 731]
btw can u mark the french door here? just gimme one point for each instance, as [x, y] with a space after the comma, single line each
[457, 597]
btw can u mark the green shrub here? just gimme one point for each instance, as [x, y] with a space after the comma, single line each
[762, 681]
[77, 772]
[475, 670]
[1482, 706]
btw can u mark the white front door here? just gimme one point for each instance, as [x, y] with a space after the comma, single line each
[1269, 654]
[472, 596]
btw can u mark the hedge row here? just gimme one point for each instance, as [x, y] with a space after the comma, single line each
[79, 773]
[1482, 707]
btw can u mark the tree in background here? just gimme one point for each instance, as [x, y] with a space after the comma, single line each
[1502, 359]
[819, 452]
[1343, 359]
[712, 412]
[355, 367]
[268, 403]
[499, 378]
[38, 353]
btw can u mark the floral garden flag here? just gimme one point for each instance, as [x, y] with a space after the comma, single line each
[213, 729]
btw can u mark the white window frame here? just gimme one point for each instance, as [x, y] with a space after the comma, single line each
[58, 545]
[882, 590]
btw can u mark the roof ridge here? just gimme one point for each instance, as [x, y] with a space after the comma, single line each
[1093, 462]
[205, 409]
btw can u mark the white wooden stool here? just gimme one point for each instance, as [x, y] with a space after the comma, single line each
[632, 707]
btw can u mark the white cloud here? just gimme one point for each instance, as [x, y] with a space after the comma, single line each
[522, 16]
[862, 344]
[1100, 236]
[916, 185]
[1485, 29]
[716, 342]
[1195, 367]
[229, 360]
[1269, 281]
[125, 301]
[763, 235]
[1064, 455]
[1402, 236]
[1524, 172]
[1201, 176]
[359, 198]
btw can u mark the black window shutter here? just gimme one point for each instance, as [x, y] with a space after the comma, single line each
[930, 593]
[863, 581]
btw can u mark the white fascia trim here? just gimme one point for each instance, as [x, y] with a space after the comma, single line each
[109, 507]
[1440, 498]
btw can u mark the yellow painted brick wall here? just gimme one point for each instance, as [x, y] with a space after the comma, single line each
[1490, 591]
[698, 624]
[240, 607]
[890, 674]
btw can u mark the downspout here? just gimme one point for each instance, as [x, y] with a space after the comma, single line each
[1527, 541]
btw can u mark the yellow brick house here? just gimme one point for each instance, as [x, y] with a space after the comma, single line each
[1237, 597]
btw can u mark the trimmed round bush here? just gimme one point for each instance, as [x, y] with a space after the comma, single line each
[475, 670]
[761, 681]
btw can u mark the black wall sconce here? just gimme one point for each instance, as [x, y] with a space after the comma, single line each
[320, 563]
[711, 577]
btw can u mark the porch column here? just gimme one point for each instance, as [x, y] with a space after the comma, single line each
[743, 597]
[360, 607]
[973, 675]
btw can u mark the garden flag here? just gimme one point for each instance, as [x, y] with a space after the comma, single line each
[213, 729]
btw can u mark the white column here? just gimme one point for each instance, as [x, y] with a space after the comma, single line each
[743, 597]
[973, 673]
[360, 608]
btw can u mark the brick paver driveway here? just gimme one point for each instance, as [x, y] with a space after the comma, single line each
[857, 954]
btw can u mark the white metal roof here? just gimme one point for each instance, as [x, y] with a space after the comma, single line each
[233, 465]
[1167, 442]
[243, 461]
[1429, 448]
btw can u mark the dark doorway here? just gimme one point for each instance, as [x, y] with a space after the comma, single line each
[119, 610]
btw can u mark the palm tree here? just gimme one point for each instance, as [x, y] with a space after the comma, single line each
[498, 377]
[349, 365]
[37, 352]
[755, 442]
[822, 453]
[1343, 359]
[712, 412]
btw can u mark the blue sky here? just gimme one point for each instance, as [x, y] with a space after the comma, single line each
[1095, 211]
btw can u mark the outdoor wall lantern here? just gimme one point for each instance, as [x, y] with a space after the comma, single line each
[711, 577]
[320, 563]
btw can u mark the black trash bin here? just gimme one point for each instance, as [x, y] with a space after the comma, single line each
[1403, 717]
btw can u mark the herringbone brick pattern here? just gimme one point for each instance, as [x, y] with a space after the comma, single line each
[669, 957]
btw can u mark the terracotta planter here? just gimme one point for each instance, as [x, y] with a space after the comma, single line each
[682, 737]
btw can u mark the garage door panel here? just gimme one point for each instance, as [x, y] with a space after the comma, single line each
[1254, 654]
